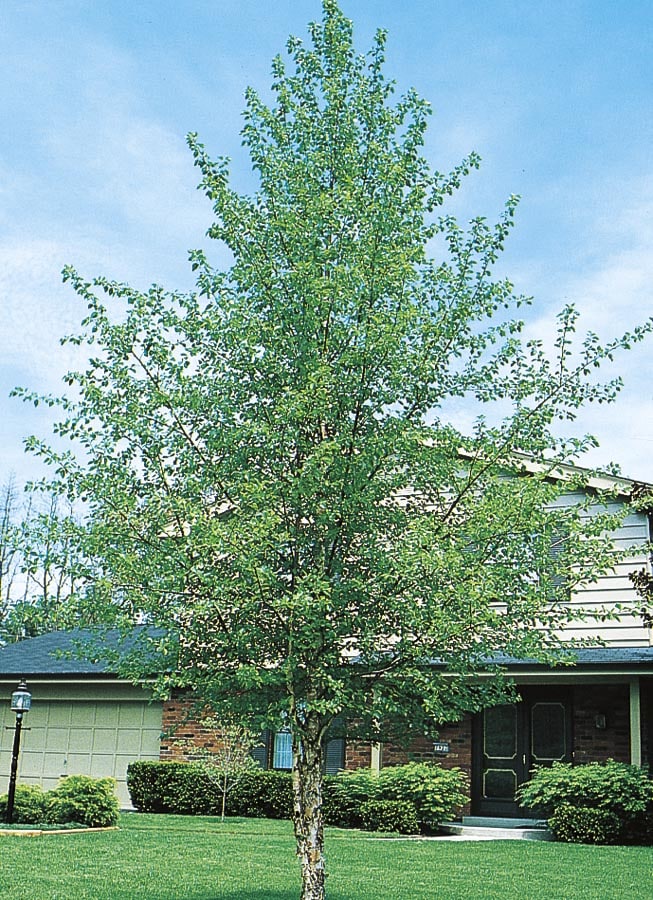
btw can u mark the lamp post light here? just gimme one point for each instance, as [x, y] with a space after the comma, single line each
[21, 700]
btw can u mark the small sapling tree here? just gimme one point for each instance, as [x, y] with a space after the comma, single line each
[224, 751]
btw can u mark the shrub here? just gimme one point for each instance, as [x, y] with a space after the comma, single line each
[389, 815]
[622, 790]
[437, 794]
[345, 794]
[584, 825]
[188, 789]
[29, 805]
[80, 798]
[262, 794]
[145, 782]
[172, 787]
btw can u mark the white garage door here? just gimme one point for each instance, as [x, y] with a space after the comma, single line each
[82, 737]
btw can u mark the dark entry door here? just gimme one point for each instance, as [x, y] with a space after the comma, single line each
[510, 740]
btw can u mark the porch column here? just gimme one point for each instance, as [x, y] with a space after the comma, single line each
[375, 764]
[635, 723]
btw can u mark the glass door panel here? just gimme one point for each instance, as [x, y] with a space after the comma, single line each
[548, 733]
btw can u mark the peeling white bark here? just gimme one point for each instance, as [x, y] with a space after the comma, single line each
[307, 812]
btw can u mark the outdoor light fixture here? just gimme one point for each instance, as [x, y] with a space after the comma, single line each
[21, 700]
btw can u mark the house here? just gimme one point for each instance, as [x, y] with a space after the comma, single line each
[599, 708]
[85, 719]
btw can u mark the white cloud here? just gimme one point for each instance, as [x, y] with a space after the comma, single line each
[36, 309]
[137, 173]
[612, 288]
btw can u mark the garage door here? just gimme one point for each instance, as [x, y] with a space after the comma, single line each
[82, 737]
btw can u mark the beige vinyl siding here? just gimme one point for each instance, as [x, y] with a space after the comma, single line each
[615, 587]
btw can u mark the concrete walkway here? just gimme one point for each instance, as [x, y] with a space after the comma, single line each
[473, 828]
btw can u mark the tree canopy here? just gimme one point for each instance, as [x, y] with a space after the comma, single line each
[266, 464]
[46, 580]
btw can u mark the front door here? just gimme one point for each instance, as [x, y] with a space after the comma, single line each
[510, 740]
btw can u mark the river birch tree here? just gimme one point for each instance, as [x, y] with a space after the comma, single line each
[267, 464]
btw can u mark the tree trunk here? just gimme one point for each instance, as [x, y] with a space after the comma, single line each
[307, 809]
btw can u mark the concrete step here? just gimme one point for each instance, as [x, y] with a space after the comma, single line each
[498, 822]
[497, 832]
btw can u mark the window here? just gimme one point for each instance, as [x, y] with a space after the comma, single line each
[282, 750]
[275, 752]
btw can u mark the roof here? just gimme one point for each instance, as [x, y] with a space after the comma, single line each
[594, 479]
[70, 653]
[588, 657]
[57, 653]
[60, 653]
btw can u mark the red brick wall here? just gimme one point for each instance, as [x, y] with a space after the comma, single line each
[458, 736]
[592, 744]
[358, 755]
[180, 723]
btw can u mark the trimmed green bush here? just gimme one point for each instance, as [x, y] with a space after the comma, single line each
[584, 825]
[146, 782]
[172, 787]
[623, 791]
[188, 789]
[262, 794]
[87, 801]
[437, 794]
[389, 815]
[80, 798]
[344, 795]
[29, 805]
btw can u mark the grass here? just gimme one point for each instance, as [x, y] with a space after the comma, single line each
[200, 858]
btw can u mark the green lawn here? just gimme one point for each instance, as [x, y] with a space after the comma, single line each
[182, 858]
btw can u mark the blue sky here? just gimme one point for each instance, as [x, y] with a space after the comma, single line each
[96, 99]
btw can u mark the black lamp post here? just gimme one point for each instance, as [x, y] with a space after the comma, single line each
[21, 700]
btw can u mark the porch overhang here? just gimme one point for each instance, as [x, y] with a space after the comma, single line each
[596, 664]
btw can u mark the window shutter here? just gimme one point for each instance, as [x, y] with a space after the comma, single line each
[334, 756]
[260, 753]
[556, 552]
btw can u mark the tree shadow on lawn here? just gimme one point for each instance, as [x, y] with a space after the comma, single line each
[261, 894]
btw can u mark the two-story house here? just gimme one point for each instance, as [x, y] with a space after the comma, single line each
[85, 719]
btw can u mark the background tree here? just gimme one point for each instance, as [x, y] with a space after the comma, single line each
[45, 574]
[266, 463]
[9, 552]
